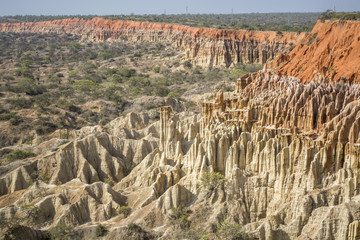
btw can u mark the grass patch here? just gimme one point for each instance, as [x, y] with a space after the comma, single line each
[18, 154]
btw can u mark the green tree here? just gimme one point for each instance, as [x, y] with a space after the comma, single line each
[29, 86]
[212, 180]
[179, 217]
[84, 85]
[100, 230]
[74, 47]
[126, 210]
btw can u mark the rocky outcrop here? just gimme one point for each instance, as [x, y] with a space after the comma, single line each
[289, 160]
[96, 157]
[203, 46]
[329, 53]
[277, 142]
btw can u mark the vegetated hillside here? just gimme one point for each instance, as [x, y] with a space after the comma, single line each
[205, 47]
[329, 53]
[51, 82]
[277, 158]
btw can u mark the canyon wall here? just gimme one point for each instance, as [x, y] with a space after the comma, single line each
[203, 46]
[329, 53]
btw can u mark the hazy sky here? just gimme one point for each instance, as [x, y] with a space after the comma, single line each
[104, 7]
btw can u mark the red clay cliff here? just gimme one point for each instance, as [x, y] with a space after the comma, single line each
[331, 52]
[203, 46]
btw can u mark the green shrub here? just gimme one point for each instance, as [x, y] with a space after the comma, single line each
[32, 211]
[100, 230]
[24, 71]
[74, 47]
[212, 180]
[174, 94]
[156, 69]
[126, 72]
[187, 64]
[9, 77]
[138, 82]
[179, 217]
[132, 227]
[62, 142]
[161, 91]
[84, 85]
[43, 101]
[109, 181]
[176, 64]
[126, 210]
[253, 67]
[80, 122]
[43, 126]
[196, 70]
[229, 231]
[30, 87]
[16, 120]
[41, 176]
[19, 154]
[236, 73]
[20, 102]
[5, 116]
[73, 74]
[61, 231]
[138, 54]
[88, 67]
[67, 105]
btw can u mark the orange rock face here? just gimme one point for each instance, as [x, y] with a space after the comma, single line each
[329, 53]
[112, 26]
[204, 46]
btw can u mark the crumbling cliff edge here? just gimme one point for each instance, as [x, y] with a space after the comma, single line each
[203, 46]
[329, 53]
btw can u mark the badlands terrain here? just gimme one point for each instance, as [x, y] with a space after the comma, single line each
[274, 156]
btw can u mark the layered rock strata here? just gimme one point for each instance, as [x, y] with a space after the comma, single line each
[329, 53]
[203, 46]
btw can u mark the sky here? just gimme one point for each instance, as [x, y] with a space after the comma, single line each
[118, 7]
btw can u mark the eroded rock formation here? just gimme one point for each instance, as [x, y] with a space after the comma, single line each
[289, 153]
[203, 46]
[329, 53]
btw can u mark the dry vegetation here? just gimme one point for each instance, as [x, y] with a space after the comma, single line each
[51, 82]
